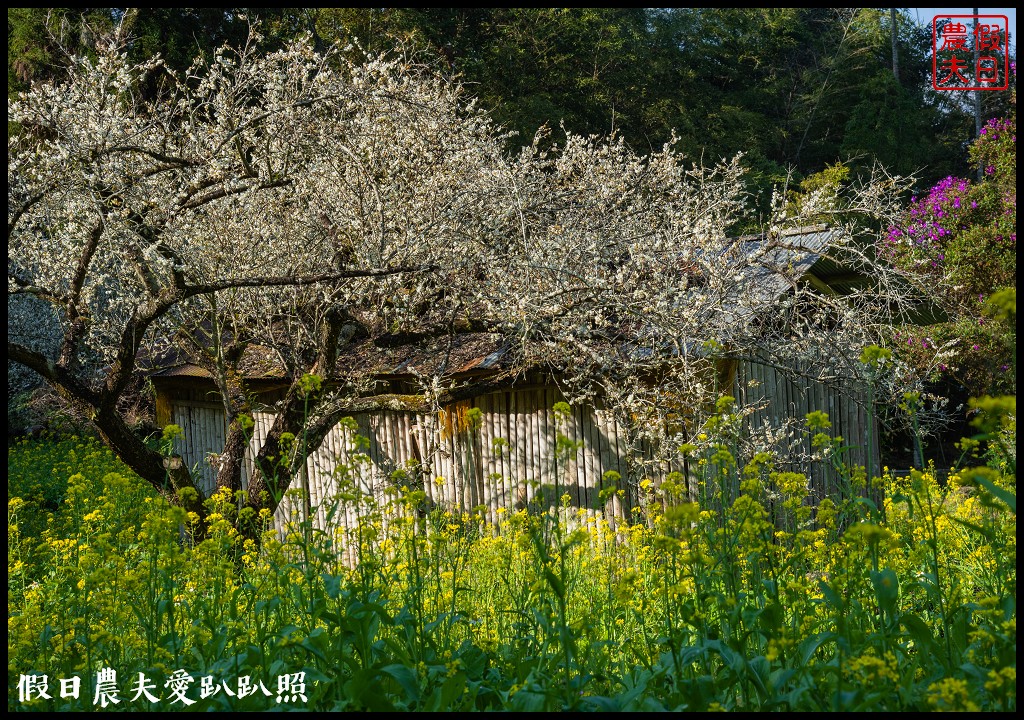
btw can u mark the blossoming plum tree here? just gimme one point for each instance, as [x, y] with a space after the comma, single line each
[296, 200]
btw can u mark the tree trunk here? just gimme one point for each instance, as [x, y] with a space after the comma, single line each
[171, 479]
[895, 46]
[236, 406]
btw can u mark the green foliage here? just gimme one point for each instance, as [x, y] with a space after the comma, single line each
[888, 124]
[800, 88]
[745, 599]
[37, 38]
[180, 35]
[874, 356]
[310, 384]
[34, 37]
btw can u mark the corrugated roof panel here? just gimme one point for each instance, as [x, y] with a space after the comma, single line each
[494, 358]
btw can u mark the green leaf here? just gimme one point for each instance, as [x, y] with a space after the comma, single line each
[525, 701]
[316, 643]
[984, 532]
[887, 589]
[759, 673]
[556, 584]
[452, 690]
[406, 677]
[773, 615]
[809, 646]
[919, 631]
[831, 595]
[599, 703]
[333, 585]
[473, 659]
[1005, 495]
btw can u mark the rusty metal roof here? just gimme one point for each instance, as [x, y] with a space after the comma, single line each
[187, 370]
[471, 352]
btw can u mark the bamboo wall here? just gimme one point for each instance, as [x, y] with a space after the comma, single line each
[205, 434]
[778, 399]
[503, 458]
[496, 452]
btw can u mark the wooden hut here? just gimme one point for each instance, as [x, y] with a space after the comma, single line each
[497, 451]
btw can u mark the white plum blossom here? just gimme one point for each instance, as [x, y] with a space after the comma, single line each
[293, 200]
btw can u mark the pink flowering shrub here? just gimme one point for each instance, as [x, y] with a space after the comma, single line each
[930, 224]
[958, 243]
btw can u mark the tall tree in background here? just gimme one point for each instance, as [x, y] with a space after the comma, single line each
[795, 89]
[37, 37]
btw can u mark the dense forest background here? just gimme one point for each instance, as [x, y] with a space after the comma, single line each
[795, 89]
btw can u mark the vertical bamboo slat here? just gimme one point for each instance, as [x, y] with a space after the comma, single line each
[530, 442]
[568, 475]
[349, 444]
[467, 461]
[592, 451]
[533, 488]
[605, 433]
[486, 404]
[366, 468]
[518, 445]
[601, 460]
[556, 428]
[504, 464]
[457, 464]
[546, 445]
[580, 481]
[444, 465]
[427, 435]
[614, 506]
[479, 462]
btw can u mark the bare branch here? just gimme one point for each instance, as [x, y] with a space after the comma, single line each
[299, 281]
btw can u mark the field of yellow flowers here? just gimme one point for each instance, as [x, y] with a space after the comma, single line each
[708, 605]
